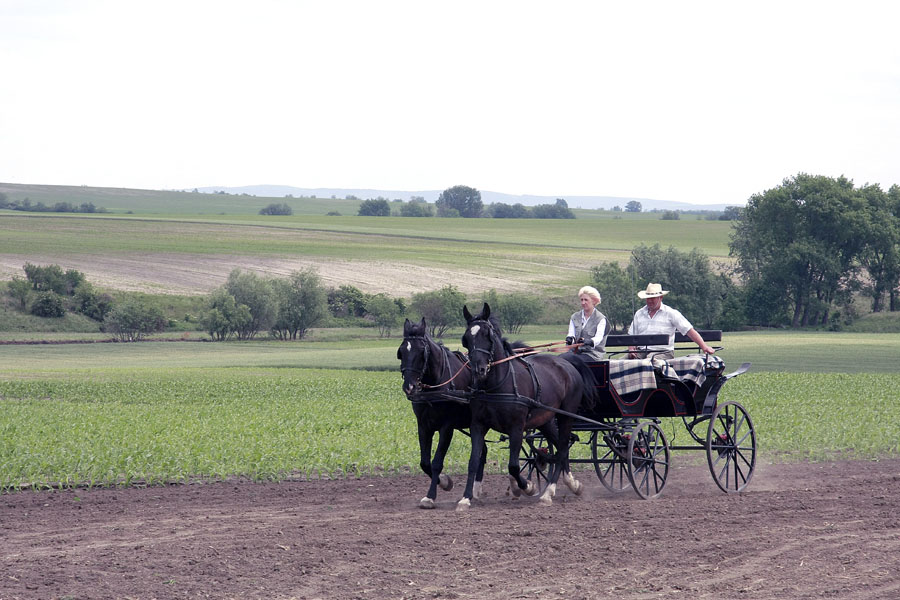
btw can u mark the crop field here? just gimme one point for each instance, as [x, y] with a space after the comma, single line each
[112, 414]
[194, 254]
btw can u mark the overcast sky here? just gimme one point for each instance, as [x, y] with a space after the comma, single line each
[702, 102]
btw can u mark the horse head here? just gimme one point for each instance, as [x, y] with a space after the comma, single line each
[482, 340]
[414, 353]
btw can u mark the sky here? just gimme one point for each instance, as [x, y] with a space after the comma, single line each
[699, 102]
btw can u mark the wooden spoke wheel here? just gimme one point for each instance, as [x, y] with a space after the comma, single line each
[536, 458]
[731, 447]
[608, 462]
[648, 460]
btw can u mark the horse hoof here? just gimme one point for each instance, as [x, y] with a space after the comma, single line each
[514, 487]
[463, 505]
[577, 489]
[426, 502]
[445, 482]
[531, 489]
[545, 500]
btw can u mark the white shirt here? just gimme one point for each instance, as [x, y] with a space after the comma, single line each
[665, 321]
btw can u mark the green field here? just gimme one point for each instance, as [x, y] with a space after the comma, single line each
[118, 414]
[168, 411]
[552, 256]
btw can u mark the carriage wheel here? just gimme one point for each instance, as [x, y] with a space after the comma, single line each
[535, 459]
[731, 447]
[648, 460]
[609, 465]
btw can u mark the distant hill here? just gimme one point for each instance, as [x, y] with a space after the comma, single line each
[589, 202]
[249, 199]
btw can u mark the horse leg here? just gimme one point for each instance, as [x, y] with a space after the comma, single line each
[517, 483]
[477, 488]
[436, 468]
[551, 433]
[476, 431]
[565, 431]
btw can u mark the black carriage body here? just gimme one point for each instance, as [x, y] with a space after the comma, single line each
[669, 396]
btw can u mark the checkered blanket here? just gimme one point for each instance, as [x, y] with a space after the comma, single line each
[628, 376]
[691, 368]
[631, 375]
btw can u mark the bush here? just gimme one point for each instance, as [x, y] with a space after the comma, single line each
[277, 209]
[385, 311]
[375, 208]
[48, 304]
[441, 309]
[131, 321]
[514, 310]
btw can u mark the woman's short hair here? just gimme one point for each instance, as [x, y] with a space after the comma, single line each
[591, 292]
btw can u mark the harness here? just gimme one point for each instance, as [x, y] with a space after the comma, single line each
[513, 397]
[434, 392]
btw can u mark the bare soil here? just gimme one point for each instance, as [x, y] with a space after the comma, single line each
[799, 531]
[195, 275]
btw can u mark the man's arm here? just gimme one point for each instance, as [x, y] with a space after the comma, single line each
[698, 339]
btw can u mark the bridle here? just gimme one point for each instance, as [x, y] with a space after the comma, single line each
[420, 373]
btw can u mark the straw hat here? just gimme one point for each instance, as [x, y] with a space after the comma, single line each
[653, 290]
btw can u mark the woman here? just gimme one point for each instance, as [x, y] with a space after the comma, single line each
[588, 327]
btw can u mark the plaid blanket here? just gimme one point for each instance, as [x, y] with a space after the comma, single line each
[690, 368]
[628, 376]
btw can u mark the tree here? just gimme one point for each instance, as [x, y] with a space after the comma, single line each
[276, 209]
[374, 208]
[619, 300]
[347, 301]
[694, 289]
[670, 215]
[559, 210]
[48, 304]
[49, 278]
[441, 309]
[302, 303]
[731, 213]
[466, 201]
[500, 210]
[224, 316]
[881, 255]
[633, 206]
[19, 290]
[514, 310]
[131, 321]
[416, 208]
[802, 240]
[91, 303]
[385, 311]
[256, 294]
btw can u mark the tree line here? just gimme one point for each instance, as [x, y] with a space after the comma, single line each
[803, 251]
[58, 207]
[464, 201]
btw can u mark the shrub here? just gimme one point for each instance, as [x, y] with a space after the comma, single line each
[131, 321]
[48, 304]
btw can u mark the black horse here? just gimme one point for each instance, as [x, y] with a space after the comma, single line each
[431, 373]
[508, 395]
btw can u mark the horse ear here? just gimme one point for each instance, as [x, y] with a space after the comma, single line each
[467, 314]
[423, 324]
[406, 327]
[486, 311]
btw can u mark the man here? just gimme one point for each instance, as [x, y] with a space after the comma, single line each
[657, 318]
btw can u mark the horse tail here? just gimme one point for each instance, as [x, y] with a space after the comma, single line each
[589, 382]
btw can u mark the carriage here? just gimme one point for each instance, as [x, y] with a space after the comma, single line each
[621, 426]
[628, 446]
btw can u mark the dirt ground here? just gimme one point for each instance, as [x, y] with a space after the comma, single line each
[190, 275]
[799, 531]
